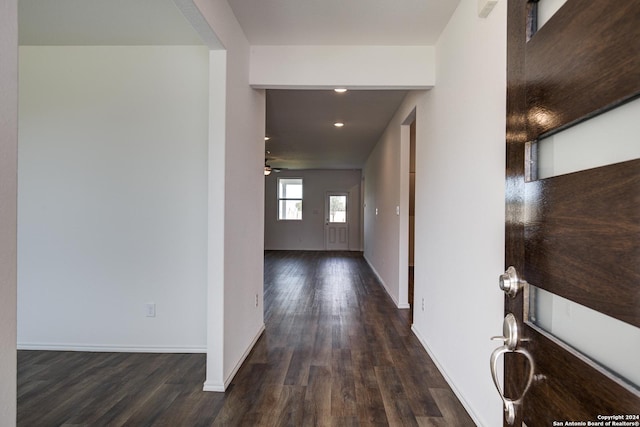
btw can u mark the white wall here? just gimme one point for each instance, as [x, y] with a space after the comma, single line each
[8, 188]
[236, 202]
[386, 200]
[308, 234]
[460, 163]
[215, 220]
[459, 224]
[401, 67]
[113, 197]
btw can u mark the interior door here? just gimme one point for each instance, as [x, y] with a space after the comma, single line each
[574, 236]
[336, 221]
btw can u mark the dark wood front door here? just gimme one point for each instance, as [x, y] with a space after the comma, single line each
[575, 235]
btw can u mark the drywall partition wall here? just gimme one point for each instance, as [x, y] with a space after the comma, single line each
[242, 161]
[460, 163]
[386, 202]
[113, 198]
[381, 196]
[309, 233]
[398, 67]
[215, 220]
[8, 188]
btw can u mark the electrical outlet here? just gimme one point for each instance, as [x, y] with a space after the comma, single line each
[150, 309]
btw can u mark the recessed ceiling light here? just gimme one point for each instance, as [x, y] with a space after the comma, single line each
[338, 124]
[340, 90]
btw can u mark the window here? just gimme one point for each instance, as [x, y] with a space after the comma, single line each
[290, 198]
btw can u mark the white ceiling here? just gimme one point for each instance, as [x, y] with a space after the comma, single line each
[302, 134]
[343, 22]
[300, 122]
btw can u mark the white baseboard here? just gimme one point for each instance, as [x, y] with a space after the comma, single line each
[448, 379]
[384, 285]
[244, 356]
[109, 348]
[223, 387]
[213, 387]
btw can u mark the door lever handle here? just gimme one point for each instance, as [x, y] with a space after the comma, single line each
[511, 338]
[510, 404]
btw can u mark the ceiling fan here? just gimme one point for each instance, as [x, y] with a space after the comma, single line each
[268, 169]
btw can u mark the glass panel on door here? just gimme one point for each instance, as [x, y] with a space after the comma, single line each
[336, 221]
[611, 343]
[603, 140]
[546, 9]
[337, 209]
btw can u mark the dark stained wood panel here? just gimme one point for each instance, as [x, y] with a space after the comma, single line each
[579, 77]
[516, 138]
[335, 352]
[582, 234]
[571, 389]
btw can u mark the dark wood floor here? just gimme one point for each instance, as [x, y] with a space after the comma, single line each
[336, 352]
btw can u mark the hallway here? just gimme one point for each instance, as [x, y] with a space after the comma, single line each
[335, 352]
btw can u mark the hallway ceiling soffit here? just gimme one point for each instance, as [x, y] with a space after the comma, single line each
[343, 22]
[299, 122]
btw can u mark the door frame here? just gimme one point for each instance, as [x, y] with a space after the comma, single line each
[402, 208]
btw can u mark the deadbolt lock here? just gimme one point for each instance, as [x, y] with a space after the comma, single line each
[510, 282]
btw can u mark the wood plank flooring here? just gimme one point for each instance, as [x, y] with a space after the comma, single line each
[336, 352]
